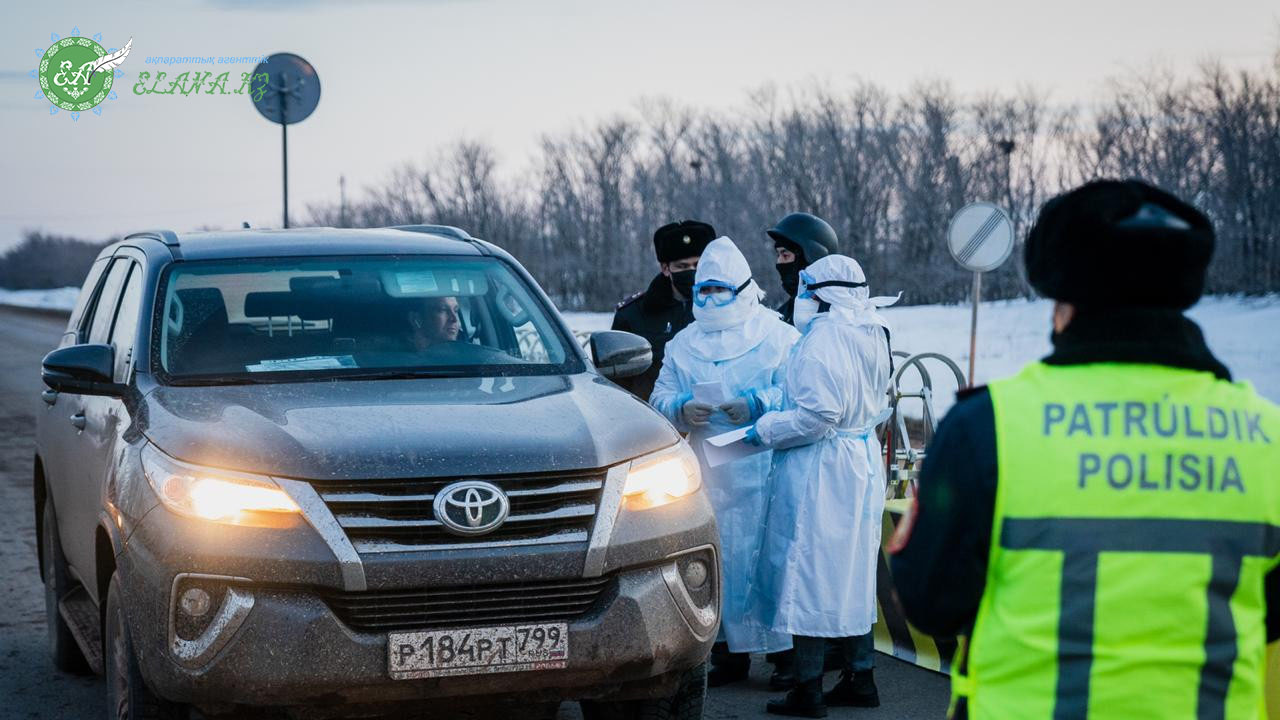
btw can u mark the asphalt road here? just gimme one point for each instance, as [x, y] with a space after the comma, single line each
[31, 688]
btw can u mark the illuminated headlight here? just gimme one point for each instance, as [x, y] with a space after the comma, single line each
[221, 496]
[663, 477]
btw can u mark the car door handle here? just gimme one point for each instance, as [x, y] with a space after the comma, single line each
[49, 396]
[78, 420]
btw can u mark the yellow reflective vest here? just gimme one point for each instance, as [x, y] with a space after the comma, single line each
[1137, 513]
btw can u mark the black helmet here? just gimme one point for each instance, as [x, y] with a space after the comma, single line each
[815, 238]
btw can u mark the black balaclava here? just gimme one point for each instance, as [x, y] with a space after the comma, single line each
[790, 272]
[682, 281]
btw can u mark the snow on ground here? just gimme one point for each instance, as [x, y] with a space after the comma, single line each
[588, 321]
[1243, 332]
[56, 298]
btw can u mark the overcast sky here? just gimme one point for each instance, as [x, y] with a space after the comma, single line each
[401, 79]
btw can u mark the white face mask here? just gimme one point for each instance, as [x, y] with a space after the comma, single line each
[713, 318]
[806, 309]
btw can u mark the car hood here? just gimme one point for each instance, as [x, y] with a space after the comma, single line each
[405, 428]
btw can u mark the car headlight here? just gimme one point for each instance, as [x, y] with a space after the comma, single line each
[662, 477]
[221, 496]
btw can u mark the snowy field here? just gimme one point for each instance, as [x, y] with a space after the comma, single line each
[1243, 332]
[58, 298]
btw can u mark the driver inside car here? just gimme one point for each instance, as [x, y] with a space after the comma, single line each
[436, 321]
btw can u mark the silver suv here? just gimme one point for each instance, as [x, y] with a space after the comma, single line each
[337, 471]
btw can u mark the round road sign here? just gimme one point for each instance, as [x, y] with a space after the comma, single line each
[980, 236]
[293, 89]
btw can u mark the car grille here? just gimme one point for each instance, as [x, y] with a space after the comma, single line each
[473, 605]
[396, 515]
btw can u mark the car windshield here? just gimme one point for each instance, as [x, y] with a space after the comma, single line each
[306, 318]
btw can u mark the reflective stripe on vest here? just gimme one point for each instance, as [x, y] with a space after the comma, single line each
[1137, 514]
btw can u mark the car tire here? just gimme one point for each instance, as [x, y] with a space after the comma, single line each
[63, 648]
[128, 697]
[685, 704]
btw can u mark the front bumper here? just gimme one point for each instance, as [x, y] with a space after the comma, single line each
[282, 645]
[290, 649]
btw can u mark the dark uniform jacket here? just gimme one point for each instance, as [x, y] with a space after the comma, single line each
[941, 572]
[788, 310]
[655, 315]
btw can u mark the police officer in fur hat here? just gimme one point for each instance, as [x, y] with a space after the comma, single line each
[665, 308]
[1107, 539]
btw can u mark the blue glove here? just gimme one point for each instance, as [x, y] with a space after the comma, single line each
[753, 437]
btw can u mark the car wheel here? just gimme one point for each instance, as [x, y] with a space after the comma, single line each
[128, 697]
[57, 583]
[685, 704]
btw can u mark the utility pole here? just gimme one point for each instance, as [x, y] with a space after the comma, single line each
[1007, 146]
[342, 201]
[696, 164]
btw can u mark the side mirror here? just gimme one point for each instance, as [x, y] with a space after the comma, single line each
[620, 354]
[82, 370]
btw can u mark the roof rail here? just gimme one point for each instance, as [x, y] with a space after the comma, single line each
[168, 237]
[446, 230]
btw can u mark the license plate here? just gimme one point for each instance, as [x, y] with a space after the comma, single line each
[477, 651]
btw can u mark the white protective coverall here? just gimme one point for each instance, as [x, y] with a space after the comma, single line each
[742, 346]
[817, 574]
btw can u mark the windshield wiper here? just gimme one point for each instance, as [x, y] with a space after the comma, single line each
[319, 376]
[206, 381]
[401, 374]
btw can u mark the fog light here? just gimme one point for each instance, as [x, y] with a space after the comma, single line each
[195, 602]
[205, 613]
[695, 574]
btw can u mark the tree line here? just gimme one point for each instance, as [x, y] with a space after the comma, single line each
[887, 171]
[41, 260]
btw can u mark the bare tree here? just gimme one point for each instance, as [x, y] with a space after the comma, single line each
[887, 172]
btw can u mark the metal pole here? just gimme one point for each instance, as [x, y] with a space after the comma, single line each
[284, 145]
[973, 324]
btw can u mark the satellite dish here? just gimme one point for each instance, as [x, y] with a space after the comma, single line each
[293, 89]
[980, 237]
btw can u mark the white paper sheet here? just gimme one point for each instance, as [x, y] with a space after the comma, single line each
[711, 393]
[727, 447]
[314, 362]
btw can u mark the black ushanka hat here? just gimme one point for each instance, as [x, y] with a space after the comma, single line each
[1116, 243]
[680, 240]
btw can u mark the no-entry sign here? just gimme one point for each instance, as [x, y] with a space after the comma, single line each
[980, 237]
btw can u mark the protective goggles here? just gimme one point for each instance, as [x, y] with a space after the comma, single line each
[716, 292]
[806, 281]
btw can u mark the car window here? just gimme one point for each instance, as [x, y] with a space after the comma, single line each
[126, 325]
[265, 319]
[104, 310]
[87, 289]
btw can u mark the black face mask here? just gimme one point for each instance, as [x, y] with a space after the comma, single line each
[682, 281]
[790, 274]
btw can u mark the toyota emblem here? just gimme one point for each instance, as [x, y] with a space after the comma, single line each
[471, 507]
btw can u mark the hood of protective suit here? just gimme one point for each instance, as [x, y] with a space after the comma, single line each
[727, 331]
[850, 305]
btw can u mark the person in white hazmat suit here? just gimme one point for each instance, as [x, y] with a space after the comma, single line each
[817, 572]
[735, 345]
